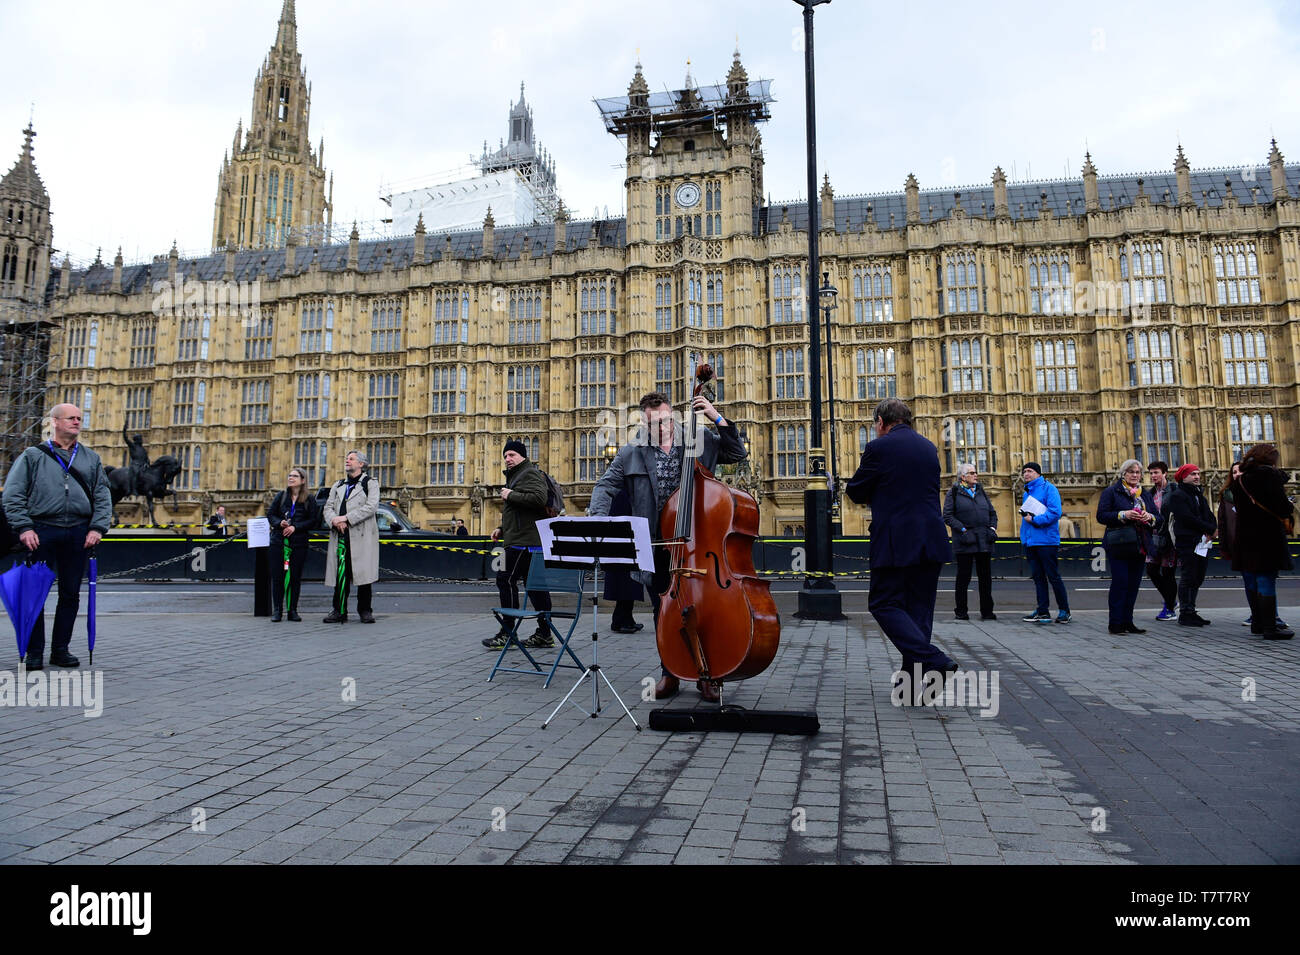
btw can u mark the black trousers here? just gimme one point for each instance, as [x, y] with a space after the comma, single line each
[1191, 574]
[622, 616]
[64, 550]
[342, 587]
[518, 560]
[1122, 595]
[901, 600]
[1166, 581]
[297, 561]
[658, 584]
[983, 563]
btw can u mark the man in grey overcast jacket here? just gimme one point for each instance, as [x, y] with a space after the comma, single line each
[57, 501]
[650, 470]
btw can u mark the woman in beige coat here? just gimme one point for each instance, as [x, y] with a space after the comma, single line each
[350, 516]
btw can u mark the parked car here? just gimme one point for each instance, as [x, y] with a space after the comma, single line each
[393, 522]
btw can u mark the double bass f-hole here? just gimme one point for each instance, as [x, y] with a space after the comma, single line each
[717, 571]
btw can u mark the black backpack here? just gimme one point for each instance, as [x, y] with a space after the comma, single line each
[554, 496]
[364, 484]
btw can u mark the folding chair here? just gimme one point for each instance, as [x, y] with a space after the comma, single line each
[556, 582]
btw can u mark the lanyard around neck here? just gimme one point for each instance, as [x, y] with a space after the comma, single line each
[66, 467]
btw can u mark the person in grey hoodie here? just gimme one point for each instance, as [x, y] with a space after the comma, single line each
[57, 500]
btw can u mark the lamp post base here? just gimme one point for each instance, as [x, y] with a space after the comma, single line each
[819, 599]
[820, 604]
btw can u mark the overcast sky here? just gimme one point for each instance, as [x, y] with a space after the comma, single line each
[135, 101]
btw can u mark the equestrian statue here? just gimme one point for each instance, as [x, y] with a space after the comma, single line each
[149, 481]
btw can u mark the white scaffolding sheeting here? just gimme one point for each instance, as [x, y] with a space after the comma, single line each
[464, 204]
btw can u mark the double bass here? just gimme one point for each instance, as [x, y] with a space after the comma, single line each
[717, 619]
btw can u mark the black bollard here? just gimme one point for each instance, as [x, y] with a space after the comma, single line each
[261, 582]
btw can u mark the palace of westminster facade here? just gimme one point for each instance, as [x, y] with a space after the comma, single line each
[1075, 322]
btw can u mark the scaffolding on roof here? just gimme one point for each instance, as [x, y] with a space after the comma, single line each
[695, 102]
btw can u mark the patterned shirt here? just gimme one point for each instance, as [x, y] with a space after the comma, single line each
[668, 474]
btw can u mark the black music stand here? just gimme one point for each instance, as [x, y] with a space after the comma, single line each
[587, 541]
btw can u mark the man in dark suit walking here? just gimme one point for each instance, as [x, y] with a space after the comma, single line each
[898, 478]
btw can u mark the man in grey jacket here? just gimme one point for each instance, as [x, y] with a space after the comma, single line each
[650, 469]
[57, 501]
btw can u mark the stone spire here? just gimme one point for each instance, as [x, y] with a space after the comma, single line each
[737, 80]
[419, 239]
[638, 88]
[1277, 173]
[561, 228]
[913, 193]
[1000, 208]
[1091, 201]
[22, 181]
[828, 205]
[286, 37]
[1183, 173]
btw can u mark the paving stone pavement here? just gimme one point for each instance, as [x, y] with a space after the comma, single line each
[226, 739]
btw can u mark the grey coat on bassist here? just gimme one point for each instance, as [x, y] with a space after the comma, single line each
[633, 470]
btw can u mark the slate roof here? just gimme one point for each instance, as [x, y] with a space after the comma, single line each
[1064, 197]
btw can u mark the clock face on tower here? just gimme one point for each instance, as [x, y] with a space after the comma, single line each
[688, 195]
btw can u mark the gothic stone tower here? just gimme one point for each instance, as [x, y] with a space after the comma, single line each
[25, 236]
[25, 232]
[273, 182]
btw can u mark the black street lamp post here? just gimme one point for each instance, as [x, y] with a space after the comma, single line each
[828, 294]
[819, 599]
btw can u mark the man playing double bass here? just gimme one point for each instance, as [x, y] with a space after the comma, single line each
[650, 470]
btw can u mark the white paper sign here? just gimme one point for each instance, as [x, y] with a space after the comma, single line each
[1033, 505]
[1203, 548]
[259, 532]
[644, 559]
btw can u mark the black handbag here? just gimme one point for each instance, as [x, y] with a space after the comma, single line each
[1122, 542]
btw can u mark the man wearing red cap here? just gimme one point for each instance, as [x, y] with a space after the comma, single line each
[1188, 520]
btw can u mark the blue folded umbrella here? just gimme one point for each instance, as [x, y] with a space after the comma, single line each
[23, 588]
[92, 577]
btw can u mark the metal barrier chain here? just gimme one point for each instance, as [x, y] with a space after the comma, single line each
[438, 580]
[162, 563]
[322, 549]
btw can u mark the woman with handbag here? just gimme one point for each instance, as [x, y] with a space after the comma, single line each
[1127, 541]
[974, 522]
[1265, 517]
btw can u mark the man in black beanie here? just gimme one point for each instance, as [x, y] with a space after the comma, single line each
[523, 505]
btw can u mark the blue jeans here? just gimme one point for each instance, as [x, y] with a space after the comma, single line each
[1042, 565]
[64, 550]
[1265, 585]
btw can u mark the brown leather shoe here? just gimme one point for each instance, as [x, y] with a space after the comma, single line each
[708, 691]
[666, 687]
